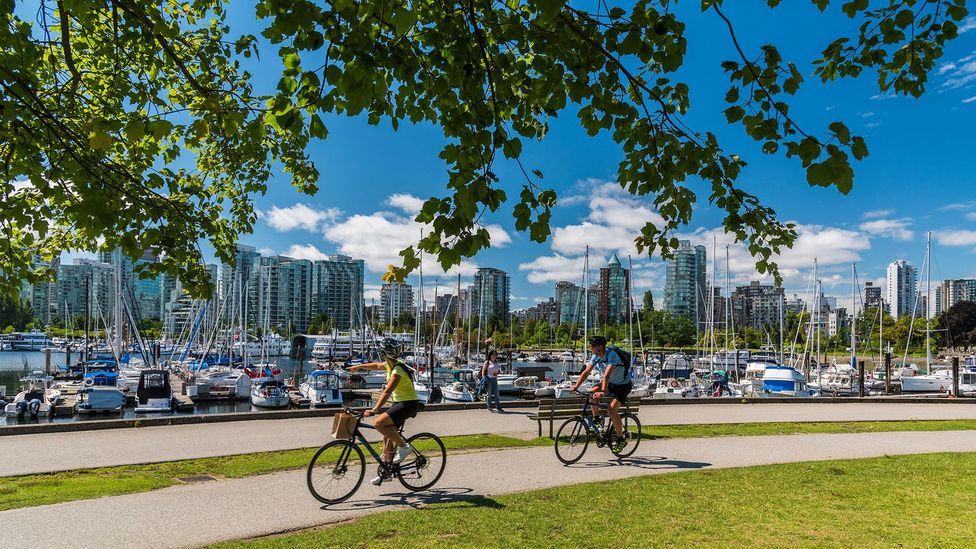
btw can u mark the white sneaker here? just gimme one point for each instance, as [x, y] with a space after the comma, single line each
[403, 453]
[376, 481]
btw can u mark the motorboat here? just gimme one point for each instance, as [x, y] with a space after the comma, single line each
[752, 381]
[939, 381]
[677, 378]
[37, 397]
[155, 394]
[270, 393]
[506, 383]
[837, 380]
[100, 391]
[321, 388]
[566, 356]
[784, 381]
[462, 389]
[220, 382]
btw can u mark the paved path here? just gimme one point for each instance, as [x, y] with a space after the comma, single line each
[197, 514]
[37, 453]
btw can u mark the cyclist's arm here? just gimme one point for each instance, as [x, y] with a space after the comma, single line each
[367, 366]
[387, 391]
[583, 375]
[606, 377]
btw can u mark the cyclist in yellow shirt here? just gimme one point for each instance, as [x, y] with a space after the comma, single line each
[406, 404]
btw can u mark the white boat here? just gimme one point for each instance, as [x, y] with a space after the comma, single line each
[506, 383]
[321, 388]
[837, 380]
[33, 340]
[224, 383]
[270, 393]
[100, 399]
[784, 381]
[677, 378]
[422, 390]
[155, 394]
[462, 388]
[37, 397]
[939, 381]
[566, 356]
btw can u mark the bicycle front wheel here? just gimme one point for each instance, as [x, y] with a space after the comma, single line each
[632, 430]
[336, 471]
[572, 438]
[424, 467]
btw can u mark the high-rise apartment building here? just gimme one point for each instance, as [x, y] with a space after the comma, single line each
[279, 294]
[901, 288]
[872, 296]
[684, 287]
[490, 294]
[758, 305]
[954, 291]
[395, 299]
[614, 292]
[337, 290]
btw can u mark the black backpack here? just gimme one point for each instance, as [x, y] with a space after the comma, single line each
[406, 369]
[625, 357]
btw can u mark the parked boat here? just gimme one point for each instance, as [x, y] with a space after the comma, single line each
[33, 340]
[270, 393]
[462, 389]
[37, 397]
[155, 394]
[321, 388]
[100, 390]
[784, 381]
[938, 381]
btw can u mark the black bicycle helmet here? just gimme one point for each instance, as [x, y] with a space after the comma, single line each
[596, 341]
[390, 347]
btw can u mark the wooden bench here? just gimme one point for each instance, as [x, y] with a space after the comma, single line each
[554, 410]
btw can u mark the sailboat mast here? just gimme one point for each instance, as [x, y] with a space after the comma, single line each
[928, 306]
[853, 315]
[586, 298]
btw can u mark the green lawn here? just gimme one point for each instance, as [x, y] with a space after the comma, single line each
[904, 501]
[42, 489]
[33, 490]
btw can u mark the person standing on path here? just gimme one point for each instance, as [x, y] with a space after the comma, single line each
[489, 371]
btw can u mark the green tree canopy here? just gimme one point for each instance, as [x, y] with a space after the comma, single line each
[136, 124]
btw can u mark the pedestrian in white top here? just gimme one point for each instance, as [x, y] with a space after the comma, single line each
[489, 371]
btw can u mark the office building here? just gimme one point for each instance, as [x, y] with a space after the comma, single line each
[490, 294]
[395, 299]
[614, 292]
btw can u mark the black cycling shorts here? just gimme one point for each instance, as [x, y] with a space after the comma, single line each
[400, 412]
[620, 392]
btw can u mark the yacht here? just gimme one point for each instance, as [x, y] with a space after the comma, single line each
[100, 391]
[938, 381]
[677, 378]
[321, 388]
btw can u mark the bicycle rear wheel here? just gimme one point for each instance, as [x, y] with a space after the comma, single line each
[336, 471]
[572, 438]
[424, 467]
[632, 430]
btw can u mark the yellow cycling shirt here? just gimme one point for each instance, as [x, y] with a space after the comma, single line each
[404, 390]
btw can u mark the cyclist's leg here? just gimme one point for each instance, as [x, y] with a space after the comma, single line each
[391, 435]
[614, 411]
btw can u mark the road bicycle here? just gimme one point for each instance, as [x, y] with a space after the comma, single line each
[573, 436]
[338, 468]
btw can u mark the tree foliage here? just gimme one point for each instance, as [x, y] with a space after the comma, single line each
[136, 124]
[959, 322]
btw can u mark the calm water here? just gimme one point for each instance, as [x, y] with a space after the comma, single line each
[12, 365]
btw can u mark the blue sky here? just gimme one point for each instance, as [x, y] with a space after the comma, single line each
[918, 177]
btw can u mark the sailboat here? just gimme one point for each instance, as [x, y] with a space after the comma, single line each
[937, 379]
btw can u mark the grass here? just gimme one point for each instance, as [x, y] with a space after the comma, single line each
[903, 501]
[43, 489]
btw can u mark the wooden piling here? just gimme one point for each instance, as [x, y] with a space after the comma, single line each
[860, 378]
[955, 376]
[887, 366]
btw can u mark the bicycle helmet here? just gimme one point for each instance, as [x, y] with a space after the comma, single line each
[597, 341]
[390, 348]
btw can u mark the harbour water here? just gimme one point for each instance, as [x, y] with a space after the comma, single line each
[12, 367]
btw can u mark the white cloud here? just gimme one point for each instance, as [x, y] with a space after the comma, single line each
[889, 228]
[553, 268]
[499, 236]
[959, 206]
[946, 68]
[969, 99]
[300, 216]
[962, 72]
[885, 95]
[867, 114]
[265, 250]
[872, 214]
[956, 238]
[968, 24]
[378, 238]
[971, 216]
[872, 124]
[371, 291]
[408, 203]
[305, 251]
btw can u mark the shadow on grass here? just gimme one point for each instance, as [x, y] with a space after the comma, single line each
[461, 497]
[650, 462]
